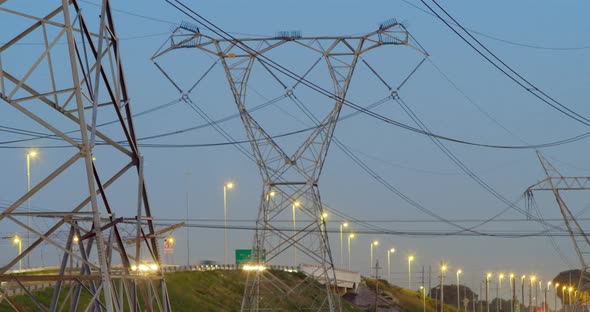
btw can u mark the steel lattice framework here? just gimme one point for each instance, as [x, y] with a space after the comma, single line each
[290, 181]
[556, 183]
[76, 77]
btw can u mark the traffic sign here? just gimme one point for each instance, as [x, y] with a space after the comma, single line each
[244, 256]
[168, 246]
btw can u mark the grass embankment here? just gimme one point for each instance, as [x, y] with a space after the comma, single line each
[407, 300]
[217, 290]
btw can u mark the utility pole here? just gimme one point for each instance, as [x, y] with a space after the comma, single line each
[480, 296]
[376, 284]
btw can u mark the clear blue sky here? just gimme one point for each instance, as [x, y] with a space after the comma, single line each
[499, 113]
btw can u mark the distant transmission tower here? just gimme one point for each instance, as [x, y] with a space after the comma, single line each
[290, 182]
[65, 74]
[556, 183]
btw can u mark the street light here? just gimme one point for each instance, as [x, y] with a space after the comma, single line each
[423, 298]
[537, 293]
[458, 290]
[443, 269]
[532, 279]
[30, 154]
[374, 243]
[522, 289]
[342, 225]
[488, 276]
[512, 292]
[389, 252]
[498, 287]
[569, 301]
[227, 186]
[556, 288]
[545, 297]
[563, 297]
[18, 241]
[295, 205]
[350, 236]
[410, 259]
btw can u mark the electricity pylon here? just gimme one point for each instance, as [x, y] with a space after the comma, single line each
[290, 182]
[556, 183]
[74, 80]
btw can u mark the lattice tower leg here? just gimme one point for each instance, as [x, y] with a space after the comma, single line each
[71, 86]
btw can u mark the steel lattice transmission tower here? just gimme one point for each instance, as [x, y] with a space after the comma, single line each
[63, 72]
[289, 181]
[557, 183]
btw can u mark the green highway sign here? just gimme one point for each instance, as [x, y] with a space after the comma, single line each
[244, 255]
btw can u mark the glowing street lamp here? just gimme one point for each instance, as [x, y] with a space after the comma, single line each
[458, 290]
[30, 154]
[498, 287]
[295, 205]
[532, 279]
[545, 296]
[569, 301]
[389, 252]
[374, 243]
[488, 277]
[350, 236]
[443, 269]
[522, 278]
[423, 298]
[342, 225]
[410, 259]
[227, 186]
[19, 242]
[556, 288]
[563, 295]
[512, 291]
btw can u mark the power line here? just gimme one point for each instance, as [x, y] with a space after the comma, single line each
[525, 45]
[506, 69]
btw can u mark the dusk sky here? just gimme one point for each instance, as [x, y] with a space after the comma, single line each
[455, 92]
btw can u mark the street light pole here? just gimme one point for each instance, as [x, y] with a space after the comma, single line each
[556, 288]
[488, 276]
[522, 290]
[458, 291]
[345, 224]
[351, 235]
[545, 297]
[295, 205]
[226, 186]
[563, 297]
[410, 259]
[443, 269]
[423, 298]
[188, 239]
[389, 252]
[537, 294]
[498, 287]
[513, 291]
[18, 241]
[374, 243]
[569, 301]
[532, 279]
[30, 154]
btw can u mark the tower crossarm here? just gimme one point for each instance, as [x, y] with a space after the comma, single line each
[562, 184]
[184, 36]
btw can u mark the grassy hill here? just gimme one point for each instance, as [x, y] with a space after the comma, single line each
[221, 290]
